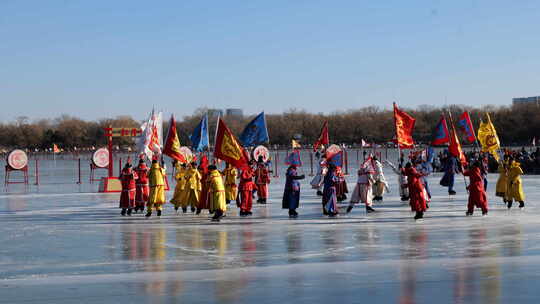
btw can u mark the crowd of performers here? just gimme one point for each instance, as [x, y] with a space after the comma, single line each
[198, 187]
[203, 187]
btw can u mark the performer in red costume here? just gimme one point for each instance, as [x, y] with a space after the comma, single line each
[127, 197]
[142, 186]
[477, 193]
[246, 191]
[417, 193]
[262, 179]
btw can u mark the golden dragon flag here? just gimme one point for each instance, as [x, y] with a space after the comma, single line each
[487, 136]
[228, 148]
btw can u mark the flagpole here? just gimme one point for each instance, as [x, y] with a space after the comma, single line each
[396, 134]
[455, 137]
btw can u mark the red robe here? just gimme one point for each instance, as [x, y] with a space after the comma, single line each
[143, 188]
[203, 197]
[246, 189]
[416, 190]
[477, 193]
[262, 179]
[127, 197]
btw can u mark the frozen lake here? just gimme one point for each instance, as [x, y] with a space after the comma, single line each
[64, 243]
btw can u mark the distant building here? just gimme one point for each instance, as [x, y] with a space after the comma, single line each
[526, 100]
[234, 112]
[214, 113]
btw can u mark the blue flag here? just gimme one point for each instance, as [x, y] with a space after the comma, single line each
[294, 159]
[255, 132]
[337, 159]
[199, 138]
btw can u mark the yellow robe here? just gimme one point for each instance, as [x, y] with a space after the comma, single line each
[216, 192]
[156, 179]
[231, 189]
[179, 189]
[515, 189]
[192, 188]
[502, 181]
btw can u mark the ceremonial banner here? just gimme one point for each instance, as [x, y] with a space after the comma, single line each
[440, 133]
[455, 148]
[172, 144]
[294, 159]
[227, 147]
[323, 137]
[151, 141]
[466, 127]
[336, 159]
[199, 138]
[404, 124]
[255, 133]
[487, 136]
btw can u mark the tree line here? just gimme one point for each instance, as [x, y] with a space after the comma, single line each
[515, 124]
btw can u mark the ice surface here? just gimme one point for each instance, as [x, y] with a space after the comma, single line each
[64, 243]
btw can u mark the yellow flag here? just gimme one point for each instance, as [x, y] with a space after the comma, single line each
[487, 136]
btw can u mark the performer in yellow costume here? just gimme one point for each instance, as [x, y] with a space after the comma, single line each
[502, 181]
[231, 189]
[216, 193]
[179, 190]
[515, 188]
[192, 188]
[156, 179]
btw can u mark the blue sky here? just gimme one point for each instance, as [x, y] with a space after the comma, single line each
[96, 59]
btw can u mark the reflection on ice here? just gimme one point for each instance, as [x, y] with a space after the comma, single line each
[383, 257]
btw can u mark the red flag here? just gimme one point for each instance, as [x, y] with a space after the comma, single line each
[323, 137]
[455, 147]
[172, 144]
[227, 147]
[404, 124]
[466, 126]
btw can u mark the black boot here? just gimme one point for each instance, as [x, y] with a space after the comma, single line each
[417, 216]
[509, 204]
[242, 213]
[198, 211]
[184, 209]
[159, 213]
[263, 201]
[469, 213]
[349, 209]
[148, 214]
[484, 212]
[319, 193]
[193, 209]
[451, 192]
[123, 213]
[129, 212]
[369, 209]
[217, 216]
[227, 202]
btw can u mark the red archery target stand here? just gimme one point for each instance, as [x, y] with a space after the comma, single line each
[17, 160]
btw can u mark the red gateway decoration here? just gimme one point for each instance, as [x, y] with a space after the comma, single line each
[404, 124]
